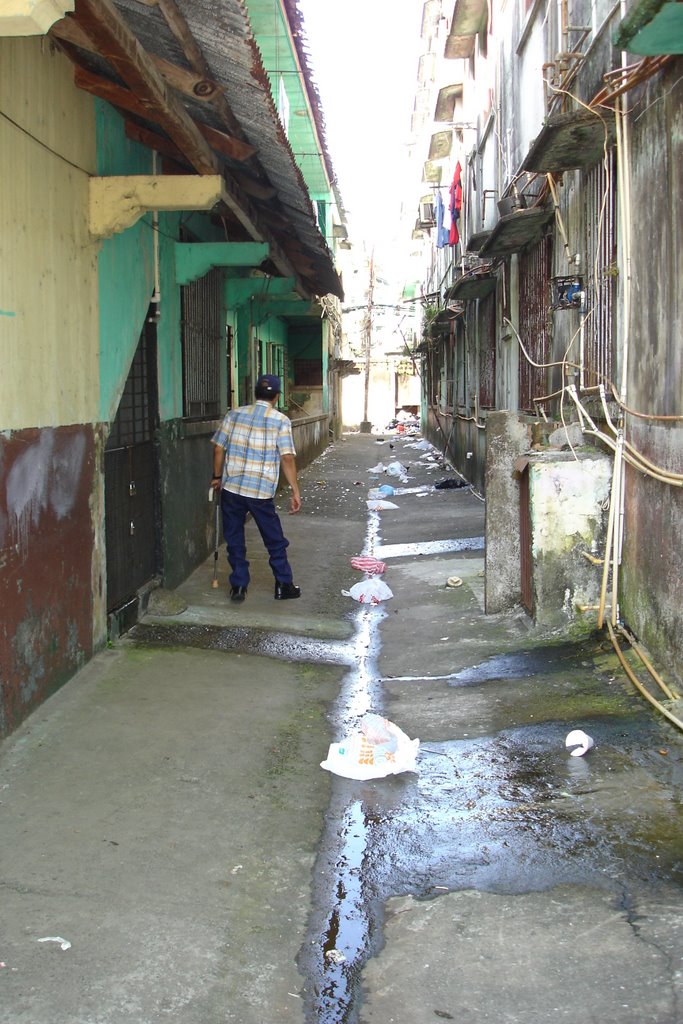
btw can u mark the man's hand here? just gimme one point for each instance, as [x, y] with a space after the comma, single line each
[289, 469]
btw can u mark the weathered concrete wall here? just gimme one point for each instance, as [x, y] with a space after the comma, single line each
[651, 591]
[311, 437]
[51, 588]
[506, 439]
[50, 582]
[568, 500]
[455, 438]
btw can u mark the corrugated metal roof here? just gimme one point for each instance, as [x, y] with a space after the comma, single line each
[222, 31]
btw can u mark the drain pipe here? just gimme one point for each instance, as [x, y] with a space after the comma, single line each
[617, 502]
[608, 546]
[156, 296]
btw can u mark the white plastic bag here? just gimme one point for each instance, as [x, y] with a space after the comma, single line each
[396, 469]
[380, 505]
[378, 750]
[384, 491]
[370, 591]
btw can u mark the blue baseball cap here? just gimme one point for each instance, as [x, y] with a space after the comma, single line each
[270, 381]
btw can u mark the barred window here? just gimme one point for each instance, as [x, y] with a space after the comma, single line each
[202, 341]
[487, 351]
[535, 267]
[308, 372]
[600, 247]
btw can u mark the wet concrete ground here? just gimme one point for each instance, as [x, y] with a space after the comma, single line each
[167, 808]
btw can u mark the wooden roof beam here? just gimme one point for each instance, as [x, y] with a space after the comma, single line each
[105, 28]
[226, 145]
[178, 25]
[189, 83]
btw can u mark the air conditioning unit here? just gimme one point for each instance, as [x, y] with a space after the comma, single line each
[427, 211]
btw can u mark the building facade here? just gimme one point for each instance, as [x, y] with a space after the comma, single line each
[162, 244]
[547, 150]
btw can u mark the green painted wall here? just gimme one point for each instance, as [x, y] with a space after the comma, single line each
[125, 266]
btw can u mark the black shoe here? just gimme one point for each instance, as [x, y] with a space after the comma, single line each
[238, 593]
[286, 591]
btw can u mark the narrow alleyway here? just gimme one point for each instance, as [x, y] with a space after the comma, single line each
[165, 814]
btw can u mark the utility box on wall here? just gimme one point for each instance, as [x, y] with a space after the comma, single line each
[564, 500]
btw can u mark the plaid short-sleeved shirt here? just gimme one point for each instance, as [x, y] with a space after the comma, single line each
[254, 438]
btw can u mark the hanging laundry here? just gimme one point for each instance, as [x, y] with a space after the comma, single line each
[455, 192]
[442, 232]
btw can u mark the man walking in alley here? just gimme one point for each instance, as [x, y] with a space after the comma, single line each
[250, 446]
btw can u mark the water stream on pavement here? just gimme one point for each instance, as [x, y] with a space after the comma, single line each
[342, 924]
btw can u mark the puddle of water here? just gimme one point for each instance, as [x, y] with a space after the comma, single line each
[347, 935]
[522, 664]
[244, 640]
[430, 547]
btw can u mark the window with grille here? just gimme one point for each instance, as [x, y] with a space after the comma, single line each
[308, 372]
[535, 267]
[487, 352]
[133, 422]
[460, 365]
[600, 247]
[202, 341]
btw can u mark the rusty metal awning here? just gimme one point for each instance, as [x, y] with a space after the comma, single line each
[515, 231]
[471, 286]
[652, 28]
[570, 140]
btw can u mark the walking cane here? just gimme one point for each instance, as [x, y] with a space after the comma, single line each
[214, 495]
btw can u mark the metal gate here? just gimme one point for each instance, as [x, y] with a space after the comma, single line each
[534, 328]
[203, 332]
[600, 263]
[487, 352]
[130, 480]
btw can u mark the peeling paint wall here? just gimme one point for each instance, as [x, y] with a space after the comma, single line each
[568, 502]
[506, 439]
[46, 573]
[50, 445]
[651, 590]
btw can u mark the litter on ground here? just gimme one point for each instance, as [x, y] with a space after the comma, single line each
[580, 741]
[450, 484]
[378, 750]
[371, 591]
[378, 505]
[366, 563]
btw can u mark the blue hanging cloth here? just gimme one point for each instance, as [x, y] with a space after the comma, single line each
[441, 231]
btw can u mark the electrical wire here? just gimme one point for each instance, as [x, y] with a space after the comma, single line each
[44, 145]
[642, 415]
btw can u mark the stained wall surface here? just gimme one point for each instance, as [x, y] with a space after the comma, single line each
[50, 501]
